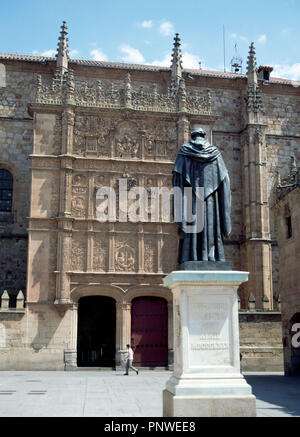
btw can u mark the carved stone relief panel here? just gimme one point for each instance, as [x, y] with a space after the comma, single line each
[101, 180]
[127, 140]
[150, 254]
[92, 136]
[151, 186]
[122, 182]
[100, 253]
[79, 252]
[79, 195]
[161, 141]
[125, 254]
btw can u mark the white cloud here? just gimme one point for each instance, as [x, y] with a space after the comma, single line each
[47, 53]
[146, 24]
[165, 62]
[51, 53]
[287, 71]
[73, 52]
[244, 39]
[188, 61]
[240, 38]
[262, 39]
[132, 55]
[166, 28]
[98, 55]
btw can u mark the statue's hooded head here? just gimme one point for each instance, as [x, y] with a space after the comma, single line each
[198, 131]
[198, 135]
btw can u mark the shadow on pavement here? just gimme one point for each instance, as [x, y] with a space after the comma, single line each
[277, 390]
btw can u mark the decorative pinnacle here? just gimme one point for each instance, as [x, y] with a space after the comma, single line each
[251, 65]
[62, 55]
[176, 61]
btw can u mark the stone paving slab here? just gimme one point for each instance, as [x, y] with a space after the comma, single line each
[110, 394]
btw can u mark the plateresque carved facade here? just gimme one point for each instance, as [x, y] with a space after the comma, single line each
[87, 124]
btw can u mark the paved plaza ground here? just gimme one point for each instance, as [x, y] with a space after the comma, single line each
[94, 393]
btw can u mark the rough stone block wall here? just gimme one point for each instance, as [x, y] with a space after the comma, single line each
[16, 139]
[228, 105]
[282, 113]
[261, 341]
[282, 142]
[35, 339]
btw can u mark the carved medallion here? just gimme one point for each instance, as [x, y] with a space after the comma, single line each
[124, 257]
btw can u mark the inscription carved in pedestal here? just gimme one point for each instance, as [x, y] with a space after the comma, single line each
[208, 332]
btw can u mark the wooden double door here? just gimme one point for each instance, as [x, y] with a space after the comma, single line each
[149, 331]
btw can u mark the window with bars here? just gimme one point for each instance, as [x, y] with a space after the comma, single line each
[6, 191]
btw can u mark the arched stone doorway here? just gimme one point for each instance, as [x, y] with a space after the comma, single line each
[96, 340]
[149, 331]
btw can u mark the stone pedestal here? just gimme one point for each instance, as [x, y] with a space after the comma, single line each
[206, 381]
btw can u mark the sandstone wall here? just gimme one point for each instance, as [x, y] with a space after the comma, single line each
[260, 334]
[16, 139]
[261, 341]
[38, 338]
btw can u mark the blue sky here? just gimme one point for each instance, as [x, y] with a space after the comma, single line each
[142, 31]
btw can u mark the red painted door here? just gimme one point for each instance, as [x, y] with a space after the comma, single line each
[149, 331]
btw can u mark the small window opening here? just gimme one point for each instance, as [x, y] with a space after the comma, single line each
[289, 226]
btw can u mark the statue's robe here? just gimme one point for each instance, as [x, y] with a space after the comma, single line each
[203, 166]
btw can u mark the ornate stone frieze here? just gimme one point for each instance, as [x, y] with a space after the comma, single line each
[64, 88]
[196, 99]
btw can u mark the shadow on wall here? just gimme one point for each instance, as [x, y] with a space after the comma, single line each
[44, 247]
[43, 281]
[48, 322]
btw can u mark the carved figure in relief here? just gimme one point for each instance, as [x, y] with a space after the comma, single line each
[149, 257]
[100, 181]
[78, 206]
[125, 258]
[78, 253]
[79, 180]
[127, 146]
[99, 256]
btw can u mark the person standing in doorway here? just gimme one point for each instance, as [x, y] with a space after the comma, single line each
[129, 360]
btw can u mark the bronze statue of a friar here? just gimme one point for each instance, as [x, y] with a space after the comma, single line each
[200, 164]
